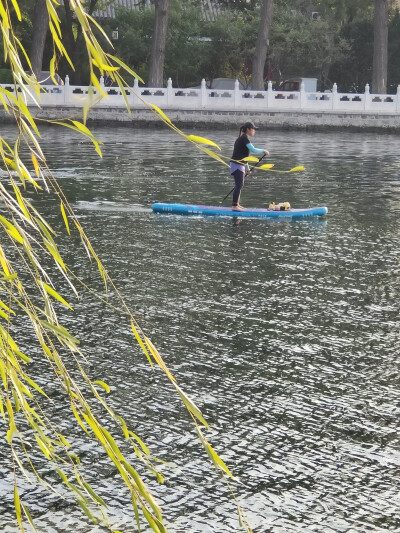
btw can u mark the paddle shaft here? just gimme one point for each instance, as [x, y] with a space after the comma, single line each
[251, 170]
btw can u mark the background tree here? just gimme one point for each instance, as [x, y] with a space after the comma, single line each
[260, 54]
[74, 41]
[380, 57]
[39, 33]
[156, 67]
[304, 47]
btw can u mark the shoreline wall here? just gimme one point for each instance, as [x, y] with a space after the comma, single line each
[203, 119]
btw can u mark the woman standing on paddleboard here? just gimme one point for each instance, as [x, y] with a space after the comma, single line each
[239, 169]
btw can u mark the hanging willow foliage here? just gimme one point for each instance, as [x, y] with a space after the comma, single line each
[25, 239]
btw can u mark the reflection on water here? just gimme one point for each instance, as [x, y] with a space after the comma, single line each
[286, 333]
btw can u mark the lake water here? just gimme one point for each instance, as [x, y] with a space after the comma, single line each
[286, 334]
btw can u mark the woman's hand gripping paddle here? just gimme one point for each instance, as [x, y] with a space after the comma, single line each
[251, 170]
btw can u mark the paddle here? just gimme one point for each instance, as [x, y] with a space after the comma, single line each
[251, 170]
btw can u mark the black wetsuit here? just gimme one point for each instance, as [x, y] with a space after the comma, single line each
[240, 151]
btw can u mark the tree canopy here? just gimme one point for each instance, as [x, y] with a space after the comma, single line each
[329, 47]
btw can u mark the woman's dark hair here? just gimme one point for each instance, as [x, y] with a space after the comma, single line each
[246, 126]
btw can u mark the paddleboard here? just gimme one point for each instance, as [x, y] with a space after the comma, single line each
[248, 212]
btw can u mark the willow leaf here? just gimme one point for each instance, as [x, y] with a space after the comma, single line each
[158, 358]
[42, 445]
[60, 331]
[62, 476]
[28, 517]
[86, 510]
[202, 140]
[161, 113]
[4, 306]
[64, 215]
[35, 385]
[35, 164]
[54, 294]
[17, 505]
[215, 156]
[141, 443]
[250, 159]
[112, 443]
[191, 407]
[215, 458]
[125, 67]
[155, 524]
[103, 385]
[52, 248]
[78, 418]
[92, 493]
[136, 511]
[4, 315]
[141, 344]
[3, 414]
[11, 230]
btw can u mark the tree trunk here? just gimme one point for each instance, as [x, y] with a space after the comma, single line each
[380, 59]
[260, 54]
[40, 27]
[156, 68]
[74, 41]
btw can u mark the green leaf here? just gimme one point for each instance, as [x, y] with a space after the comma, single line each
[17, 505]
[65, 218]
[191, 407]
[141, 344]
[54, 294]
[95, 496]
[11, 230]
[103, 385]
[29, 517]
[251, 159]
[203, 140]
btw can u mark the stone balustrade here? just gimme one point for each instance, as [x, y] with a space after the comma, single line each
[216, 99]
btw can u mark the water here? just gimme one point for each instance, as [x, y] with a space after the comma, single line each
[286, 334]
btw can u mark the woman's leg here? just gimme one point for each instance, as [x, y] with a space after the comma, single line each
[239, 182]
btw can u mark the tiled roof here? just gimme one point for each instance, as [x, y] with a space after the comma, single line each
[109, 11]
[210, 8]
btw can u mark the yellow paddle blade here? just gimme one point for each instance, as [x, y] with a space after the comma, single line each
[266, 167]
[250, 159]
[201, 140]
[297, 169]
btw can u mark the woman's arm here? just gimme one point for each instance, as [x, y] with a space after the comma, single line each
[255, 150]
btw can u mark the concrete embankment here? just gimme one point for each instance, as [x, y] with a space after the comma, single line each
[203, 119]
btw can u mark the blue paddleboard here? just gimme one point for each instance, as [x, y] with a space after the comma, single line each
[248, 212]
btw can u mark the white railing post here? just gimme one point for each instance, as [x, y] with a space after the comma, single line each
[203, 90]
[367, 98]
[236, 94]
[335, 98]
[102, 82]
[135, 92]
[303, 96]
[67, 89]
[170, 92]
[398, 99]
[270, 95]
